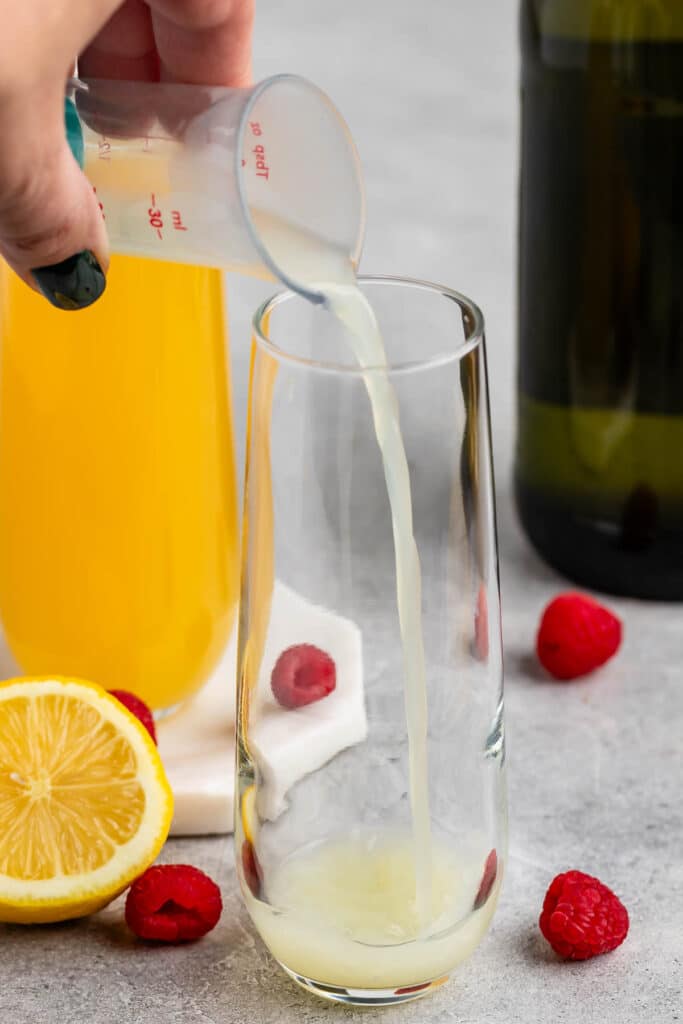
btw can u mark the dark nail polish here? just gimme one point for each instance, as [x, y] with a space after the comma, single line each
[75, 283]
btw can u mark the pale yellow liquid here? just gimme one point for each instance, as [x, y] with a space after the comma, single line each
[342, 914]
[320, 906]
[350, 305]
[118, 512]
[330, 272]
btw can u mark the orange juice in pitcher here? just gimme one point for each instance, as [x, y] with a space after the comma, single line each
[118, 510]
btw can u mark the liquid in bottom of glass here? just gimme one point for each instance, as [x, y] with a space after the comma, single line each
[343, 915]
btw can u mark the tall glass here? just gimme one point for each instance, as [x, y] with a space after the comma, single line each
[118, 521]
[329, 866]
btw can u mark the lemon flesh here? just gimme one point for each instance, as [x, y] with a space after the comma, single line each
[85, 806]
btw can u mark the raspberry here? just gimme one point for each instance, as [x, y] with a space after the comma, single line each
[251, 868]
[481, 626]
[576, 636]
[581, 917]
[138, 708]
[173, 903]
[303, 674]
[487, 880]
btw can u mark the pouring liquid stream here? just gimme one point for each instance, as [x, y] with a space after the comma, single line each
[327, 270]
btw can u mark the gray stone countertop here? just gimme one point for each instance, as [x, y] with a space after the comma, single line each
[595, 768]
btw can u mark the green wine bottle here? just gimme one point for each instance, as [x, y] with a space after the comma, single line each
[599, 462]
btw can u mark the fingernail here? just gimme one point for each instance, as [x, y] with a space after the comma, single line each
[75, 283]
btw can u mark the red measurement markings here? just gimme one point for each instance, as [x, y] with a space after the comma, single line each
[262, 168]
[259, 151]
[177, 221]
[155, 219]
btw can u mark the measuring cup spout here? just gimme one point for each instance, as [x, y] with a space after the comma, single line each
[259, 181]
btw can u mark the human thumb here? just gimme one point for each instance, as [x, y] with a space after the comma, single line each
[51, 227]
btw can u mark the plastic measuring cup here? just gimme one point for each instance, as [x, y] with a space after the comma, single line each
[212, 176]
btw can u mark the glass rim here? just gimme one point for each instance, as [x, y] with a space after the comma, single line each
[474, 327]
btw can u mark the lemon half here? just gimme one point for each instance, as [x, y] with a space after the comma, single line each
[85, 805]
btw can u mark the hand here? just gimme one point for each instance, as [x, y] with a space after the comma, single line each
[51, 229]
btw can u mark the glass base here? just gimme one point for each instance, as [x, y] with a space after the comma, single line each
[159, 714]
[361, 996]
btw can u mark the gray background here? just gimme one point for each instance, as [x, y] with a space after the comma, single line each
[595, 767]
